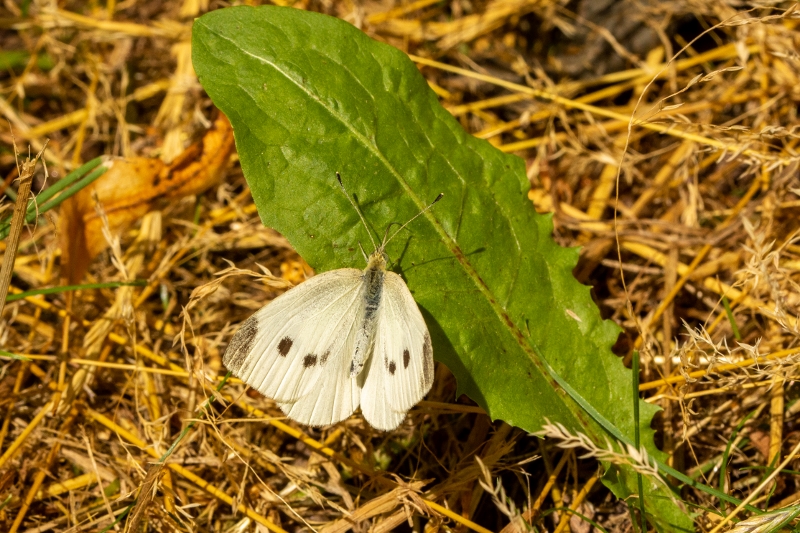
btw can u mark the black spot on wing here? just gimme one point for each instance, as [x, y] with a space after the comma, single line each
[241, 345]
[309, 360]
[427, 361]
[284, 346]
[392, 367]
[324, 357]
[406, 358]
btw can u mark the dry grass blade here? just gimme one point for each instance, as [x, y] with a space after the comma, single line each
[24, 181]
[147, 491]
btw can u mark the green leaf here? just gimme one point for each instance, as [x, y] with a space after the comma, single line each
[309, 95]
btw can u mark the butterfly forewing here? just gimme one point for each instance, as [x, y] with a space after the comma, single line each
[400, 371]
[293, 348]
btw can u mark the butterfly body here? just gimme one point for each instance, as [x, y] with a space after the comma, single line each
[372, 278]
[343, 338]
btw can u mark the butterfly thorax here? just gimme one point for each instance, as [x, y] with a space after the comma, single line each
[372, 288]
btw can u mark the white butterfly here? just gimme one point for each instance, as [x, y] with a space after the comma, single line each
[343, 338]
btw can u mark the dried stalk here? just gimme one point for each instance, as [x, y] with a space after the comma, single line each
[25, 180]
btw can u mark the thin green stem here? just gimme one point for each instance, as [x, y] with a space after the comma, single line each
[636, 436]
[67, 288]
[69, 189]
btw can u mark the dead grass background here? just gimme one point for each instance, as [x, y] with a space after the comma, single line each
[691, 245]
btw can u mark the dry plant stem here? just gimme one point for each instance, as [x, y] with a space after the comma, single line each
[81, 135]
[662, 177]
[128, 28]
[534, 509]
[455, 517]
[721, 368]
[42, 473]
[18, 219]
[565, 516]
[320, 448]
[551, 482]
[758, 489]
[136, 368]
[398, 12]
[180, 470]
[609, 126]
[620, 81]
[153, 400]
[23, 370]
[60, 487]
[599, 111]
[605, 184]
[214, 491]
[313, 444]
[754, 187]
[76, 117]
[12, 449]
[776, 413]
[711, 283]
[707, 392]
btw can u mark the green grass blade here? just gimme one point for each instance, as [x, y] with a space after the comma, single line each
[69, 191]
[13, 356]
[72, 189]
[639, 481]
[67, 288]
[58, 186]
[662, 467]
[723, 467]
[731, 320]
[67, 180]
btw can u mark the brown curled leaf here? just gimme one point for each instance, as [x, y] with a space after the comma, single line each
[132, 187]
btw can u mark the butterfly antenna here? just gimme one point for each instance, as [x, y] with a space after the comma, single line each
[360, 215]
[386, 241]
[386, 233]
[363, 252]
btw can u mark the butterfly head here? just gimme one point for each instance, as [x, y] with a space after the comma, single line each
[377, 260]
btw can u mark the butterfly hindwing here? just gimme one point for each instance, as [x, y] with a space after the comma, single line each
[400, 371]
[335, 396]
[295, 347]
